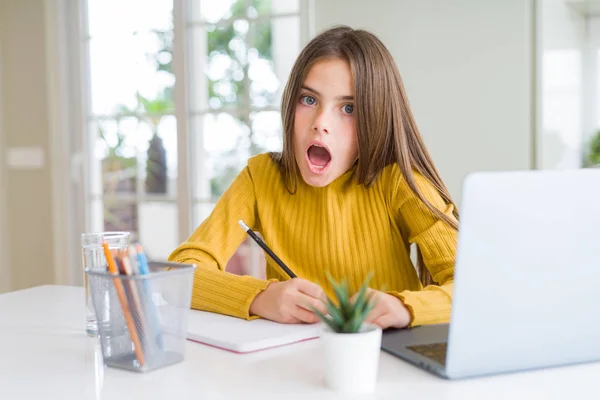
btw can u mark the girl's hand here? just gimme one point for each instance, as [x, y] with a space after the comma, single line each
[290, 302]
[388, 312]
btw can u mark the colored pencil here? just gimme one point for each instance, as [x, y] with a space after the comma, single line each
[112, 268]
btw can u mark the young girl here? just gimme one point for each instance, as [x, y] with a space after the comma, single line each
[352, 189]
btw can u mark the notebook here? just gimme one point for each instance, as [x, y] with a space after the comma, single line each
[241, 336]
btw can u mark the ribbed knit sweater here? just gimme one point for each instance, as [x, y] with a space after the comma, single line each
[347, 230]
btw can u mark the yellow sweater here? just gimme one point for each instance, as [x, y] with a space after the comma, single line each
[347, 231]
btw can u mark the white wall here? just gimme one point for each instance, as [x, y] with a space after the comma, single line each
[38, 244]
[26, 124]
[562, 33]
[467, 68]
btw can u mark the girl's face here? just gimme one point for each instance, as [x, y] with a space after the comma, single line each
[325, 143]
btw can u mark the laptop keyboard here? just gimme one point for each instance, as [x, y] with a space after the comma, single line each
[433, 351]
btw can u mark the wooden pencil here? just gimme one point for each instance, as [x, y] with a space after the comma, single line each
[112, 268]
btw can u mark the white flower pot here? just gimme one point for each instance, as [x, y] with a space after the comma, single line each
[352, 359]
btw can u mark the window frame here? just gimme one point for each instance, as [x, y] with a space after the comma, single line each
[77, 149]
[591, 79]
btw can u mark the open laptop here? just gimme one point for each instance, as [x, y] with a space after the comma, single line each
[526, 284]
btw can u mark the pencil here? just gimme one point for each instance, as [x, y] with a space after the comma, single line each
[136, 301]
[266, 248]
[142, 262]
[112, 268]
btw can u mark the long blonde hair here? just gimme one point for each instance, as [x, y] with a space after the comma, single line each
[385, 126]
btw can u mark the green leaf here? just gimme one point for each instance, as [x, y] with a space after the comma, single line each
[347, 327]
[348, 316]
[334, 312]
[341, 291]
[594, 149]
[368, 309]
[360, 314]
[348, 306]
[356, 323]
[331, 323]
[361, 298]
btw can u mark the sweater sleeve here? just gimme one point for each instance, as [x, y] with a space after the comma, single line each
[212, 245]
[437, 242]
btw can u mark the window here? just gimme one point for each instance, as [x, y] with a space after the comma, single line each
[562, 117]
[592, 96]
[220, 105]
[245, 49]
[132, 126]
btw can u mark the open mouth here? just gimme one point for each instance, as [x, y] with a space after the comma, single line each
[318, 157]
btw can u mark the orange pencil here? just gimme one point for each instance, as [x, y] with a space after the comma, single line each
[112, 268]
[136, 305]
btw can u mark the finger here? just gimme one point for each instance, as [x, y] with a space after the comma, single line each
[375, 314]
[379, 308]
[287, 315]
[290, 320]
[304, 315]
[309, 288]
[385, 321]
[308, 303]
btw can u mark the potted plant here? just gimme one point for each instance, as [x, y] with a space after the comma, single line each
[593, 156]
[351, 348]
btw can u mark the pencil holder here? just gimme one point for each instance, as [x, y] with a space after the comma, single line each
[142, 319]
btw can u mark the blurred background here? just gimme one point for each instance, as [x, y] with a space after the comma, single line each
[136, 115]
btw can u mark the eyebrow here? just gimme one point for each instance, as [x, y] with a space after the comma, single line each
[343, 98]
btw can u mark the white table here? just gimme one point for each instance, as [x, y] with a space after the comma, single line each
[45, 354]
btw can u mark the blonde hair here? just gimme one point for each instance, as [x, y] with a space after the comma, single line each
[385, 126]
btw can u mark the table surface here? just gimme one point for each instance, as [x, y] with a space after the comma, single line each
[45, 354]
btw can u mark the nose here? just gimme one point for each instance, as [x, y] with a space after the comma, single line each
[321, 122]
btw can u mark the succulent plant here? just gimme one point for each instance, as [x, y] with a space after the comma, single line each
[346, 315]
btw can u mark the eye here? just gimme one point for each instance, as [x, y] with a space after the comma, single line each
[348, 109]
[308, 100]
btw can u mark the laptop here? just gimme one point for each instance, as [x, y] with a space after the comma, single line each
[526, 292]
